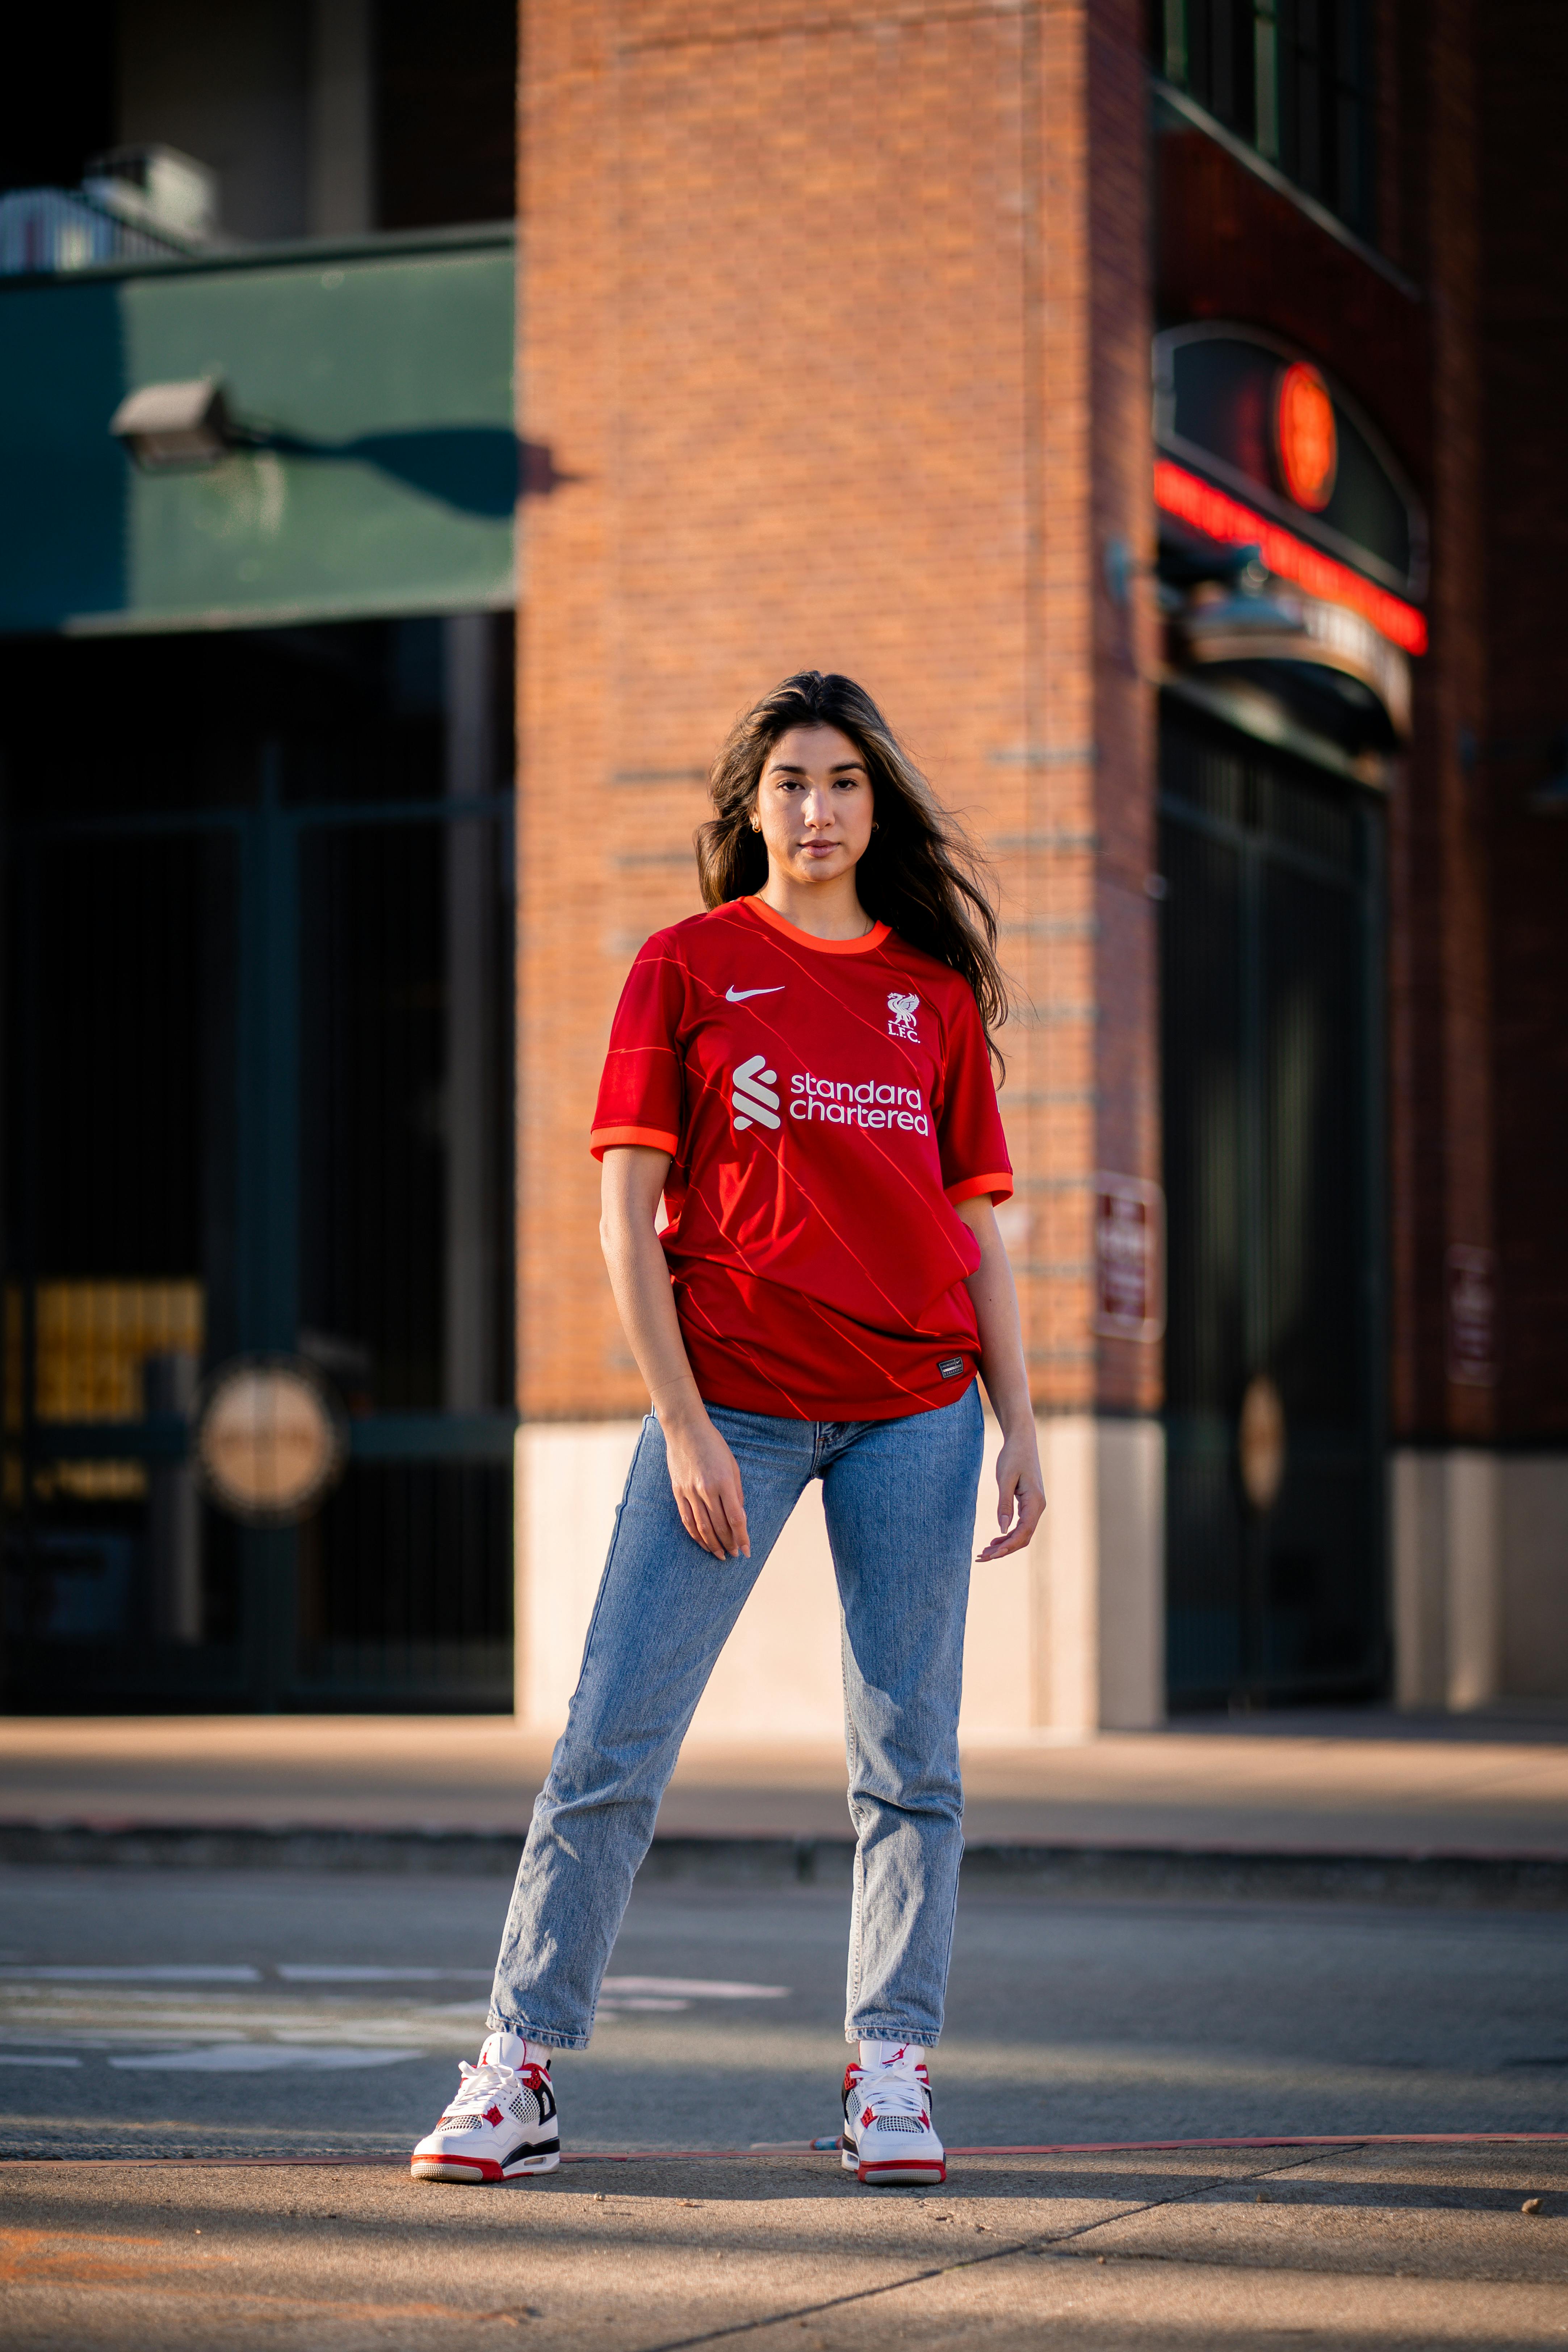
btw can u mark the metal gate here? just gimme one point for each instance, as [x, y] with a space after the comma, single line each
[257, 1057]
[1273, 1013]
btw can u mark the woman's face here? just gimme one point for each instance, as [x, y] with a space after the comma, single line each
[815, 804]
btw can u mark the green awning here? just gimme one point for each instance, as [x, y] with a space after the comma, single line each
[371, 386]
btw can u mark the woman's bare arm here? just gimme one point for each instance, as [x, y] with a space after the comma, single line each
[1020, 1488]
[703, 1473]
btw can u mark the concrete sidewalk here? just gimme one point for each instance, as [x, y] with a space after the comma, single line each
[1351, 1785]
[1361, 2245]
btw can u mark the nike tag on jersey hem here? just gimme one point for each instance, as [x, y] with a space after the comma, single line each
[739, 995]
[950, 1368]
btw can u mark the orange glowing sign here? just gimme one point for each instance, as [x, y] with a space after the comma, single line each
[1304, 437]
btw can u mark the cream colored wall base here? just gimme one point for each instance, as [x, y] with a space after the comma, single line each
[1535, 1517]
[1098, 1632]
[1480, 1576]
[1069, 1636]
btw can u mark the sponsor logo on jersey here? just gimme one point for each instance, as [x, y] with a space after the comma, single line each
[902, 1025]
[865, 1103]
[752, 1099]
[841, 1102]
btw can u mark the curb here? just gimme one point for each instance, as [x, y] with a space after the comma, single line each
[1513, 1882]
[344, 2161]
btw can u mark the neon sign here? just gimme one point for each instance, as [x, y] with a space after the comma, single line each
[1305, 438]
[1196, 503]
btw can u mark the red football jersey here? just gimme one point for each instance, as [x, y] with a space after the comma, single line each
[824, 1103]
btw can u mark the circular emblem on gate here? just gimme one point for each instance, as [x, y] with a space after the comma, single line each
[1260, 1441]
[1305, 437]
[270, 1440]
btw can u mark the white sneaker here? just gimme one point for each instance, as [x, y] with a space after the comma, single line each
[502, 2122]
[889, 2140]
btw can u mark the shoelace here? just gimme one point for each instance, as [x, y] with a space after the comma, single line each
[889, 2091]
[481, 2085]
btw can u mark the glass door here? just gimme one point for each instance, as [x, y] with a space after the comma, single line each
[1272, 1020]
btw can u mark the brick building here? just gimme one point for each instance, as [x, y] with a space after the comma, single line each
[838, 328]
[1154, 403]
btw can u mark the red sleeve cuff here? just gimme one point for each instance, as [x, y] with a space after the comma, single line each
[998, 1184]
[654, 1139]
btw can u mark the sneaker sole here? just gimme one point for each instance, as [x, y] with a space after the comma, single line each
[475, 2171]
[896, 2172]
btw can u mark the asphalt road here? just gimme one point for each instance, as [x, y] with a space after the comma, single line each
[269, 2013]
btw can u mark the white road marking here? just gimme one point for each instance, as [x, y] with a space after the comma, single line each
[261, 2058]
[170, 1973]
[354, 1972]
[696, 1988]
[351, 1972]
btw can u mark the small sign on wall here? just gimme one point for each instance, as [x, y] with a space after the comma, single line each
[1471, 1277]
[1129, 1258]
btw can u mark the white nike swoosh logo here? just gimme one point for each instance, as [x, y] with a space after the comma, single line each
[735, 995]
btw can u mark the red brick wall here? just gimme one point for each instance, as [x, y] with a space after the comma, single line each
[833, 339]
[806, 331]
[1523, 72]
[1120, 311]
[1440, 949]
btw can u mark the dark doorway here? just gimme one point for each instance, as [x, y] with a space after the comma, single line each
[257, 1088]
[1272, 1020]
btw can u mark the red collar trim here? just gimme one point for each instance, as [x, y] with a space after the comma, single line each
[771, 916]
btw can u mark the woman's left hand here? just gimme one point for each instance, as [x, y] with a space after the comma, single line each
[1020, 1494]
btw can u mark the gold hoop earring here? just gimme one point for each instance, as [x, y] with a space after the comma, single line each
[876, 824]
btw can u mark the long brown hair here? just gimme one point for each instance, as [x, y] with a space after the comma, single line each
[922, 875]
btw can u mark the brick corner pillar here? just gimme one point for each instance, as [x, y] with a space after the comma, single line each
[833, 354]
[1092, 935]
[1445, 1486]
[578, 1394]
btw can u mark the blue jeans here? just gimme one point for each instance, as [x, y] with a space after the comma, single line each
[900, 1502]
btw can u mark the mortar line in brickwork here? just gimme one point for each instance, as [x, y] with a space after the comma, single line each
[1060, 838]
[870, 20]
[1046, 755]
[1031, 1098]
[1052, 927]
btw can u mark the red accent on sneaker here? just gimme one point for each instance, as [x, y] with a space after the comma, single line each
[492, 2114]
[928, 2167]
[478, 2168]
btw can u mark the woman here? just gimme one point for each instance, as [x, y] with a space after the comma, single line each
[803, 1074]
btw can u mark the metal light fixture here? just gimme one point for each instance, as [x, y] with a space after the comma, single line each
[170, 428]
[1251, 604]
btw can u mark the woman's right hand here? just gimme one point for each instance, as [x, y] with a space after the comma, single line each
[702, 1470]
[705, 1479]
